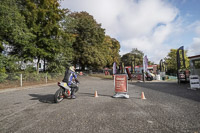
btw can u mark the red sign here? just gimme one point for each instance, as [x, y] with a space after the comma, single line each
[120, 83]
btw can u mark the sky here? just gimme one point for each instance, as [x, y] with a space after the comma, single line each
[152, 26]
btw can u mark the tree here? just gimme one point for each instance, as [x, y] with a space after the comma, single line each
[89, 39]
[136, 55]
[127, 59]
[43, 17]
[66, 55]
[13, 29]
[110, 49]
[171, 61]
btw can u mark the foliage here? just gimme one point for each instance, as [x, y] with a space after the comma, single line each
[3, 77]
[13, 76]
[110, 49]
[42, 30]
[27, 76]
[66, 55]
[56, 65]
[89, 38]
[13, 64]
[9, 64]
[171, 61]
[3, 74]
[127, 59]
[2, 64]
[136, 55]
[29, 69]
[42, 17]
[13, 29]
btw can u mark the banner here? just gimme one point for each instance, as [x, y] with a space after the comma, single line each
[114, 68]
[121, 86]
[120, 83]
[145, 63]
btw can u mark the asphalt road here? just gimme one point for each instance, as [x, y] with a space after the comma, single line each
[168, 108]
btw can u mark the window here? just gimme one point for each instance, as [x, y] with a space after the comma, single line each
[197, 64]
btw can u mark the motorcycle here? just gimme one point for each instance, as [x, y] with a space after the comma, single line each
[64, 91]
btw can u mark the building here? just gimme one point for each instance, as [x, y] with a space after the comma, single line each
[138, 69]
[195, 65]
[33, 64]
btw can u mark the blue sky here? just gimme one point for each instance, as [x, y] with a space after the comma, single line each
[152, 26]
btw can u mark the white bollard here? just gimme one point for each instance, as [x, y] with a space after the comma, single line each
[21, 80]
[46, 78]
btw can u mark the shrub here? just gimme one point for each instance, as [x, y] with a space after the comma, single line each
[3, 77]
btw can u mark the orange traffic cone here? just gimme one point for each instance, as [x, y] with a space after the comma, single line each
[81, 73]
[142, 96]
[96, 95]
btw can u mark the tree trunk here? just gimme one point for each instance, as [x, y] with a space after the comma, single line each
[38, 61]
[44, 65]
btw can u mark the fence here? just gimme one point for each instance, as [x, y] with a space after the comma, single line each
[10, 80]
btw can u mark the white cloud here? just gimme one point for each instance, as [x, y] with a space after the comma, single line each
[194, 48]
[142, 24]
[197, 28]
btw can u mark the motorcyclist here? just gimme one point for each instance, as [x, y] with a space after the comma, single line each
[70, 75]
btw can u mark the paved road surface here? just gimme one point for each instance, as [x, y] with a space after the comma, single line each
[169, 108]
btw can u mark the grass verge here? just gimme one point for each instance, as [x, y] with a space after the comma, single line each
[103, 76]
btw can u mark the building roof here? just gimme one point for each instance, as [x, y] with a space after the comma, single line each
[193, 57]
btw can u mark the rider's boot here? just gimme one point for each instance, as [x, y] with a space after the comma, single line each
[72, 94]
[73, 97]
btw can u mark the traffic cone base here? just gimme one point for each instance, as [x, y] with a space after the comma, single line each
[142, 96]
[96, 95]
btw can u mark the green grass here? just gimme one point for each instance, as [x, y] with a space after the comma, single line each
[103, 76]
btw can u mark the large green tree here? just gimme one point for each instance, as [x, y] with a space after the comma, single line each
[136, 55]
[110, 49]
[171, 61]
[42, 18]
[89, 39]
[66, 56]
[13, 30]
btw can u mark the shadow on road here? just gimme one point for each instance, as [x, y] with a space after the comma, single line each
[43, 98]
[171, 88]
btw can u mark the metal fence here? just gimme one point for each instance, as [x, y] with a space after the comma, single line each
[10, 80]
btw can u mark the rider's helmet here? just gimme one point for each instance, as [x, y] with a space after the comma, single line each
[72, 68]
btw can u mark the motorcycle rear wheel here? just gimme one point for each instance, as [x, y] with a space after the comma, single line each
[59, 95]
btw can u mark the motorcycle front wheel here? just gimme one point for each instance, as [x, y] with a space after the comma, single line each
[59, 95]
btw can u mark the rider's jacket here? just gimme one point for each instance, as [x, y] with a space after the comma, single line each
[69, 75]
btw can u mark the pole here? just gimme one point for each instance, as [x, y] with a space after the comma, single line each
[143, 76]
[20, 80]
[46, 78]
[134, 66]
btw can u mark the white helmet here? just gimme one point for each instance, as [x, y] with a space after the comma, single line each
[72, 68]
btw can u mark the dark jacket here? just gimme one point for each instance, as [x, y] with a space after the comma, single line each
[69, 75]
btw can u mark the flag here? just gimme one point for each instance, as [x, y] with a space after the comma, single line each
[145, 63]
[114, 68]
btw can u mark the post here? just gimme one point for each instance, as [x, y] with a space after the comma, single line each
[143, 75]
[134, 65]
[20, 80]
[46, 78]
